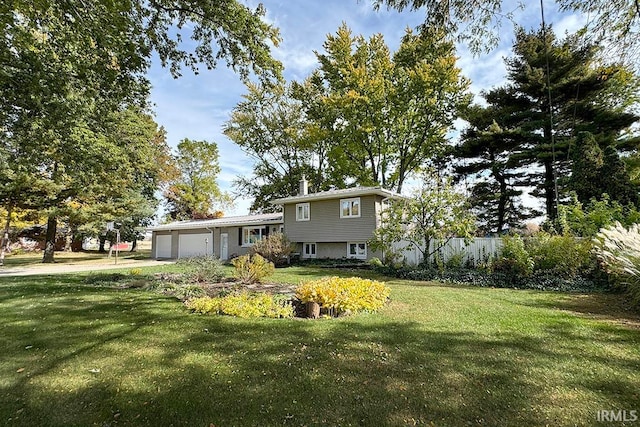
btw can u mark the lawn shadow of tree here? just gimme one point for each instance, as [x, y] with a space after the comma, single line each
[155, 364]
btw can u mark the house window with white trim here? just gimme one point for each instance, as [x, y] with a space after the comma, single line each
[357, 250]
[309, 250]
[350, 208]
[302, 212]
[251, 235]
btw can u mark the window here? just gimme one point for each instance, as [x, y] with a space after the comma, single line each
[251, 235]
[308, 250]
[350, 208]
[302, 212]
[357, 250]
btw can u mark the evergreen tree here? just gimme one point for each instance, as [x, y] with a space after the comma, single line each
[544, 113]
[586, 176]
[485, 155]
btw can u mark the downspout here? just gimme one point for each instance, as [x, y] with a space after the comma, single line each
[382, 202]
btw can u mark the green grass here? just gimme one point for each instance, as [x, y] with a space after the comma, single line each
[73, 354]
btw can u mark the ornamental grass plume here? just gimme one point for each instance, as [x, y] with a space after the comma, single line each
[618, 248]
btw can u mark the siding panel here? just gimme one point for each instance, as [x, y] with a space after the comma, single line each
[325, 224]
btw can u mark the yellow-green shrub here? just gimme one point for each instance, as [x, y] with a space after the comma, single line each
[252, 268]
[338, 295]
[244, 304]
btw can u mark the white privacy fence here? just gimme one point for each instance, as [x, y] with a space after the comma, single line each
[473, 251]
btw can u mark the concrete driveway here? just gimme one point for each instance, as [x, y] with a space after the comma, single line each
[70, 267]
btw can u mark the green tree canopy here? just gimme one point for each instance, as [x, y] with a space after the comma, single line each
[485, 158]
[67, 65]
[614, 23]
[271, 127]
[194, 193]
[384, 116]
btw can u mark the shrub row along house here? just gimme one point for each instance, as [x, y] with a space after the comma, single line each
[329, 224]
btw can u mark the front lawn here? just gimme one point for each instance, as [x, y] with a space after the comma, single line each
[31, 259]
[73, 354]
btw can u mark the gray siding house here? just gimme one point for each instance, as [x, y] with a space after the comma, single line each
[223, 238]
[336, 223]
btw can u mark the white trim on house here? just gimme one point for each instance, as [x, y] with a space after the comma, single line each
[232, 221]
[350, 208]
[303, 211]
[309, 250]
[357, 250]
[249, 238]
[339, 194]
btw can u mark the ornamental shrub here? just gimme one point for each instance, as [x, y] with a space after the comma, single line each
[244, 304]
[275, 248]
[205, 268]
[566, 256]
[252, 268]
[514, 259]
[618, 248]
[337, 295]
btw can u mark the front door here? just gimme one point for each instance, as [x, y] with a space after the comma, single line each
[224, 246]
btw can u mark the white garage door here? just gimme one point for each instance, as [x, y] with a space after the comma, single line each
[163, 246]
[190, 245]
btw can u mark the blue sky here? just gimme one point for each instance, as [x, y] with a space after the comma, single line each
[197, 106]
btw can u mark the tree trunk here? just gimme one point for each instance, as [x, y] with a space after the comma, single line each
[50, 242]
[549, 190]
[4, 242]
[68, 239]
[502, 202]
[134, 245]
[102, 240]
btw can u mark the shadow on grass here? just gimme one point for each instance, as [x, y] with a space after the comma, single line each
[107, 357]
[611, 307]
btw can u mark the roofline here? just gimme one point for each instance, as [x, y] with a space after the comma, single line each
[216, 223]
[339, 194]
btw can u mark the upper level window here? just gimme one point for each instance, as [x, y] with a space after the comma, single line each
[350, 208]
[302, 212]
[251, 235]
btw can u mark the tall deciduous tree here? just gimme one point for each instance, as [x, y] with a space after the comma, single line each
[194, 193]
[384, 116]
[271, 127]
[67, 65]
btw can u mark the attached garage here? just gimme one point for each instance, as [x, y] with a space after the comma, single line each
[163, 246]
[184, 239]
[190, 245]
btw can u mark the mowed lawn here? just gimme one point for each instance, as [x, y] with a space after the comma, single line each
[75, 354]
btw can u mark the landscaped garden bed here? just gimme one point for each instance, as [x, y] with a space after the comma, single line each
[204, 288]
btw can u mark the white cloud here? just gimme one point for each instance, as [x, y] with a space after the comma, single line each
[198, 106]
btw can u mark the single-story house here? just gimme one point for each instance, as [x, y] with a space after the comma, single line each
[336, 223]
[221, 237]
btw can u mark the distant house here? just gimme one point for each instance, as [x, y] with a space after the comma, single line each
[336, 223]
[222, 237]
